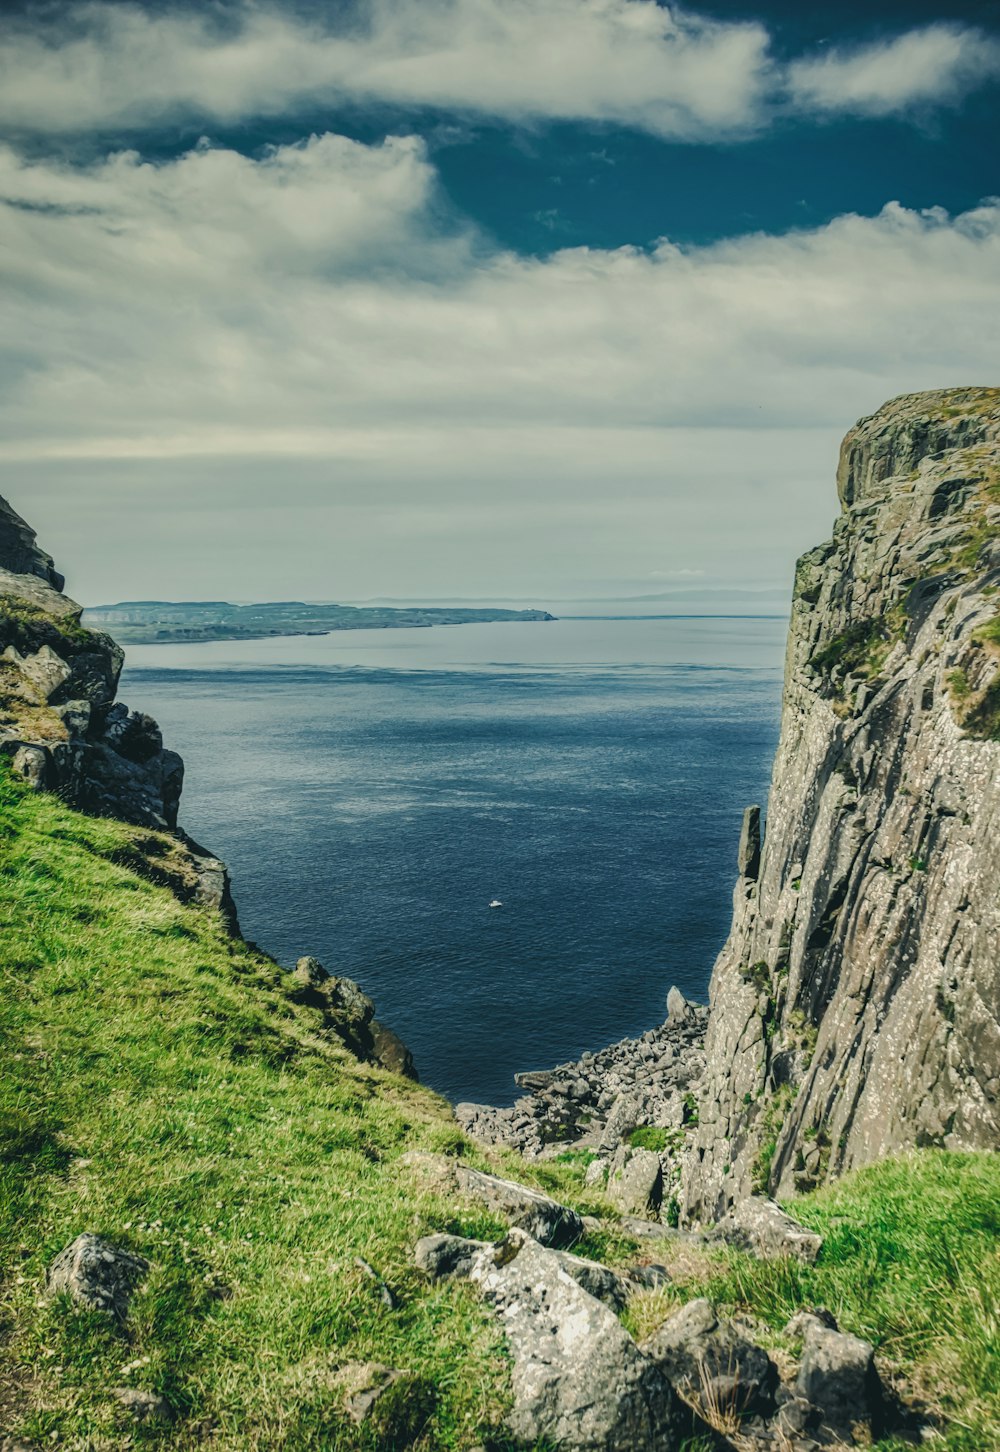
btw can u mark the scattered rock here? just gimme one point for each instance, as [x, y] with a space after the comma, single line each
[838, 1378]
[446, 1257]
[143, 1406]
[596, 1173]
[599, 1100]
[637, 1187]
[762, 1227]
[97, 1274]
[580, 1382]
[712, 1364]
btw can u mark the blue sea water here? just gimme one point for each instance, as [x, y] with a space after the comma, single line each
[372, 791]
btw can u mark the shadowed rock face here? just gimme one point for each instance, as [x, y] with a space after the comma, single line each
[855, 1006]
[18, 551]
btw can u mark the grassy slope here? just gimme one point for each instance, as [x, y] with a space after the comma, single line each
[161, 1087]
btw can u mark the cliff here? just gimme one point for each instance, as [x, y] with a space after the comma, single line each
[855, 1006]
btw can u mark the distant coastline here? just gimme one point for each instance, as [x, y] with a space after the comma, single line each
[167, 622]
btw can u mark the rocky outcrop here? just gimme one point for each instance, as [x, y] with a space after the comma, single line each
[855, 1009]
[19, 552]
[59, 721]
[63, 730]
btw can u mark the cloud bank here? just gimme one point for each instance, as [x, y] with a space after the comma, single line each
[667, 71]
[310, 332]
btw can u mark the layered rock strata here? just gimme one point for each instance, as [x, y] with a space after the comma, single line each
[855, 1009]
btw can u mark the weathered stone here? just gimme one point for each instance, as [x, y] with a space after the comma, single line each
[19, 552]
[677, 1006]
[447, 1257]
[542, 1217]
[389, 1050]
[97, 1274]
[764, 1228]
[712, 1364]
[859, 975]
[637, 1188]
[33, 764]
[538, 1215]
[579, 1381]
[596, 1173]
[143, 1406]
[626, 1115]
[838, 1378]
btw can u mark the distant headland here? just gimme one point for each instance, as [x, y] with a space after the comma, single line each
[162, 622]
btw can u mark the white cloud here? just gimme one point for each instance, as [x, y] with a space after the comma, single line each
[629, 61]
[302, 332]
[934, 66]
[95, 66]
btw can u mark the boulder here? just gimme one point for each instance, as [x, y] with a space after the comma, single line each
[677, 1006]
[838, 1378]
[580, 1382]
[625, 1115]
[762, 1227]
[32, 764]
[713, 1364]
[447, 1257]
[542, 1217]
[97, 1274]
[389, 1050]
[636, 1187]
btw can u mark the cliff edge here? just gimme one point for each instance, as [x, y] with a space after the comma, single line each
[855, 1008]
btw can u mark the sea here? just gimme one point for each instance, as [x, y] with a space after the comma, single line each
[375, 791]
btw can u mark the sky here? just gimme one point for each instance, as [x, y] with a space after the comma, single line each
[539, 300]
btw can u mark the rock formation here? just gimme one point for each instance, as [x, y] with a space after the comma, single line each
[64, 731]
[855, 1006]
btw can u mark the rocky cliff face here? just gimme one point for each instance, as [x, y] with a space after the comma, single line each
[855, 1009]
[63, 731]
[59, 719]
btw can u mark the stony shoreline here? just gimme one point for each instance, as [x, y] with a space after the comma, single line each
[632, 1104]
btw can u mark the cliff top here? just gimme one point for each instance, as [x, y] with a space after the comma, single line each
[893, 441]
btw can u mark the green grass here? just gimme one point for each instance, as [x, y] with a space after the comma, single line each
[161, 1087]
[910, 1261]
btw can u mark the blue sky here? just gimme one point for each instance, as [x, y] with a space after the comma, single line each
[536, 298]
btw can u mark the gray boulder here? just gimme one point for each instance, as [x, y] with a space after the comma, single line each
[636, 1185]
[447, 1257]
[626, 1114]
[761, 1226]
[712, 1364]
[451, 1257]
[580, 1383]
[545, 1219]
[838, 1378]
[542, 1217]
[97, 1274]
